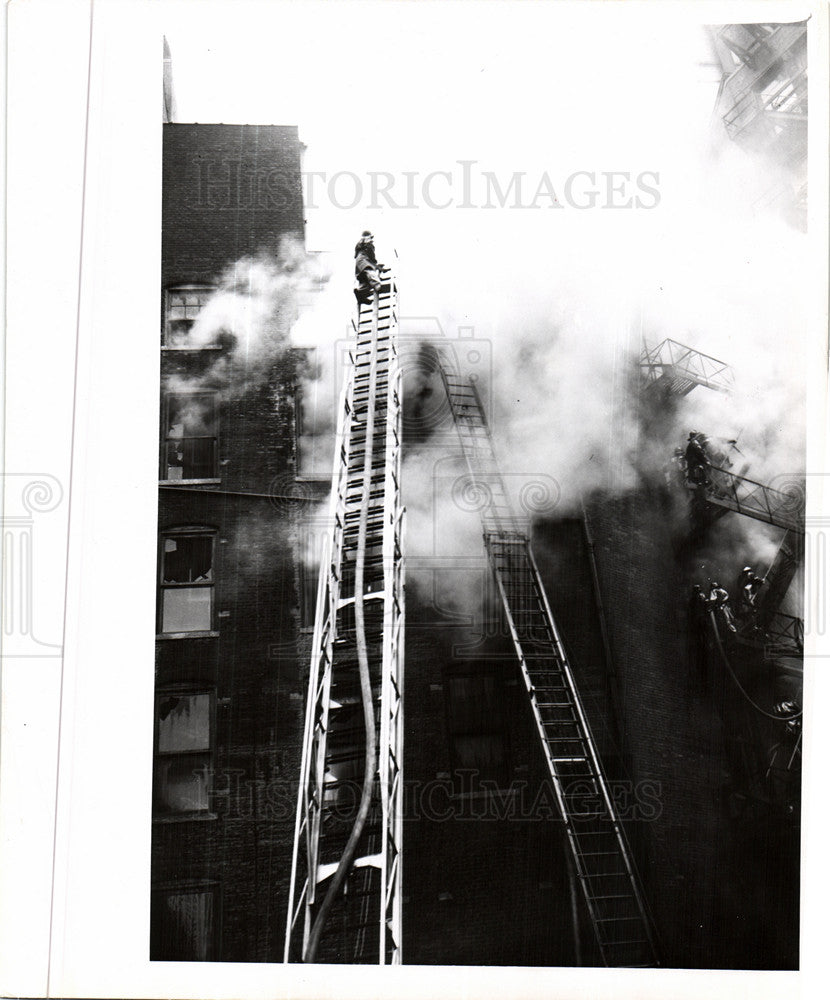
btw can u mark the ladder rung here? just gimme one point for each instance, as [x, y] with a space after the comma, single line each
[599, 854]
[616, 920]
[602, 875]
[627, 944]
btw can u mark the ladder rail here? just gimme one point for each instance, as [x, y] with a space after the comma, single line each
[478, 477]
[502, 531]
[375, 489]
[327, 588]
[390, 757]
[602, 781]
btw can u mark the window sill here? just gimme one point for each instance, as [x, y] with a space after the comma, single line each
[187, 635]
[189, 482]
[314, 477]
[187, 818]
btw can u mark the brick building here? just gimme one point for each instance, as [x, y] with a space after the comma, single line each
[712, 821]
[228, 688]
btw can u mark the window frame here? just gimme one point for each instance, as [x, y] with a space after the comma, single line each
[213, 887]
[186, 531]
[166, 439]
[494, 726]
[309, 356]
[183, 287]
[180, 691]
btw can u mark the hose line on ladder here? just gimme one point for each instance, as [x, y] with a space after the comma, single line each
[345, 863]
[764, 712]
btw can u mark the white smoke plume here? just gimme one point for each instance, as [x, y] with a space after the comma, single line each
[565, 304]
[252, 315]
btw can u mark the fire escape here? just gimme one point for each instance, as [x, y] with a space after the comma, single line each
[763, 101]
[785, 632]
[598, 847]
[728, 491]
[672, 368]
[344, 898]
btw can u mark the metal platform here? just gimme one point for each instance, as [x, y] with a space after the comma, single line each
[675, 369]
[727, 491]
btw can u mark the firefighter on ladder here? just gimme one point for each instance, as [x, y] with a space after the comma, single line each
[366, 268]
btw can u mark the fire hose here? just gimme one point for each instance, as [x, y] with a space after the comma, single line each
[768, 715]
[345, 863]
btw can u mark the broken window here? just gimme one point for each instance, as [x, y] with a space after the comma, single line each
[184, 924]
[476, 724]
[184, 745]
[182, 305]
[190, 436]
[187, 582]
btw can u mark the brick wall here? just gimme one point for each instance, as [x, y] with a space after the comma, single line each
[484, 879]
[485, 885]
[721, 886]
[227, 191]
[256, 662]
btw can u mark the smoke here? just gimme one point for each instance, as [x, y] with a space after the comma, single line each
[251, 318]
[562, 303]
[731, 544]
[561, 299]
[446, 561]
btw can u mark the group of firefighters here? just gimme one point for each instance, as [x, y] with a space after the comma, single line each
[747, 586]
[690, 466]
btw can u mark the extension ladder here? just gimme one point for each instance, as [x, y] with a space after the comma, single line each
[602, 858]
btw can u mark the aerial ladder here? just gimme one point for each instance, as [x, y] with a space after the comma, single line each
[345, 889]
[598, 847]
